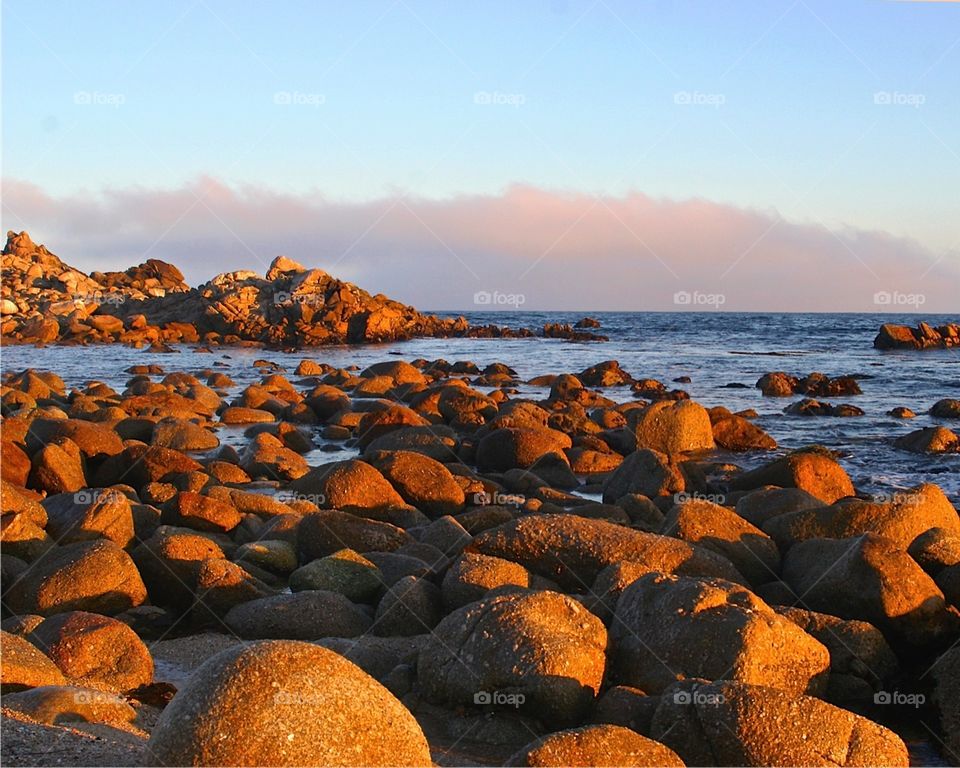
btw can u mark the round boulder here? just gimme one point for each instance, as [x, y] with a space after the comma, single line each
[285, 703]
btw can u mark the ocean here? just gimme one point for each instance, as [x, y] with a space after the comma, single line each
[714, 349]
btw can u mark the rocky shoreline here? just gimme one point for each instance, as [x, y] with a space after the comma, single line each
[485, 580]
[44, 300]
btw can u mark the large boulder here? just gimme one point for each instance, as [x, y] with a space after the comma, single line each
[719, 529]
[411, 606]
[351, 486]
[23, 666]
[472, 575]
[572, 550]
[170, 562]
[307, 615]
[519, 447]
[421, 481]
[92, 513]
[671, 427]
[345, 572]
[736, 433]
[733, 723]
[669, 627]
[901, 520]
[279, 703]
[871, 579]
[329, 530]
[813, 471]
[647, 472]
[542, 651]
[596, 745]
[95, 651]
[861, 660]
[96, 576]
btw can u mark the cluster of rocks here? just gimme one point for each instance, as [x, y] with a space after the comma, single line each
[924, 336]
[488, 579]
[45, 300]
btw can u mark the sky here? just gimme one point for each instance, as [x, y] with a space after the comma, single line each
[799, 155]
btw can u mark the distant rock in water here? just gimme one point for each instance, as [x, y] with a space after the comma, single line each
[46, 300]
[924, 336]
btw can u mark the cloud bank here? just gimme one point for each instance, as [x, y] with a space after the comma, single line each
[561, 251]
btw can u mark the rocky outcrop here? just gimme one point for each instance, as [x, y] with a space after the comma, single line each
[924, 336]
[45, 300]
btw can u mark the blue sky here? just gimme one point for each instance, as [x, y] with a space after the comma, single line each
[766, 104]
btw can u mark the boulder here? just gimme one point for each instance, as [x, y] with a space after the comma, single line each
[96, 576]
[23, 666]
[572, 550]
[90, 514]
[471, 576]
[202, 513]
[871, 579]
[813, 471]
[57, 468]
[411, 606]
[645, 472]
[671, 427]
[351, 486]
[344, 572]
[717, 528]
[542, 649]
[267, 456]
[675, 627]
[734, 723]
[295, 704]
[421, 481]
[901, 520]
[329, 530]
[736, 433]
[170, 561]
[183, 435]
[861, 660]
[95, 651]
[307, 615]
[519, 447]
[595, 745]
[929, 440]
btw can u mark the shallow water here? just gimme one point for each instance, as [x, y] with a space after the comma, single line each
[713, 349]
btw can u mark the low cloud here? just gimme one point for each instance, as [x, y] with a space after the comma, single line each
[557, 250]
